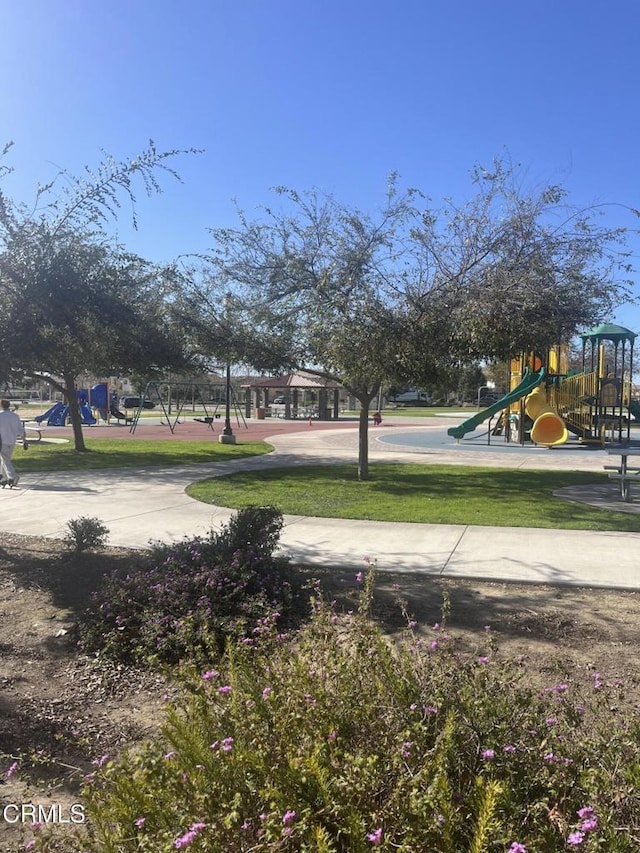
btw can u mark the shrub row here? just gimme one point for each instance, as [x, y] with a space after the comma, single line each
[335, 740]
[192, 596]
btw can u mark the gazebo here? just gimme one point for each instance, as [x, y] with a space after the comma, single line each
[305, 395]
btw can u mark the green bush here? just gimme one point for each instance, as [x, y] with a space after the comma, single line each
[84, 533]
[335, 739]
[192, 596]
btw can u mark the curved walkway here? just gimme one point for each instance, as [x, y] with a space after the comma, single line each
[150, 504]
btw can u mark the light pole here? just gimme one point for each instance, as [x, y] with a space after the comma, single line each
[227, 436]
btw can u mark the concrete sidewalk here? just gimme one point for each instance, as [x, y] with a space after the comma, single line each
[150, 504]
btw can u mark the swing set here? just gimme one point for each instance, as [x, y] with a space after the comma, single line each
[183, 393]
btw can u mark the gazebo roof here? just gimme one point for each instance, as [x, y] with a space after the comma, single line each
[609, 332]
[292, 380]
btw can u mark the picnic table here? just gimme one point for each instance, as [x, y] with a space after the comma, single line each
[625, 473]
[31, 430]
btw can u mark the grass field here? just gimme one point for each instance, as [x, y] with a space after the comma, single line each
[118, 453]
[436, 494]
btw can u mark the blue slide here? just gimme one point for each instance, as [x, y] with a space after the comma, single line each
[58, 415]
[55, 416]
[46, 415]
[87, 415]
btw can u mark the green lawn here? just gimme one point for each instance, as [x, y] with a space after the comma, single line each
[129, 453]
[438, 494]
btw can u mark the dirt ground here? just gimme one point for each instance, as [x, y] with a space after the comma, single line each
[61, 711]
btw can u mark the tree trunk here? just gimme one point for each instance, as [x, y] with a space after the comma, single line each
[363, 434]
[74, 412]
[363, 441]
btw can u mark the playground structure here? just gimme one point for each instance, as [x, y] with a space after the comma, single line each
[96, 403]
[548, 401]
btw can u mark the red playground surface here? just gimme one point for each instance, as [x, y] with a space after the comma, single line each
[190, 430]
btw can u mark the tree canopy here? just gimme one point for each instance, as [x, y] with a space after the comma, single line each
[74, 302]
[410, 290]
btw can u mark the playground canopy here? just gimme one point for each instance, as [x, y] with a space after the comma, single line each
[609, 332]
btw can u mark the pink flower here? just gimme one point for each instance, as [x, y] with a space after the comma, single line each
[488, 754]
[226, 688]
[375, 837]
[359, 577]
[516, 847]
[12, 769]
[139, 821]
[576, 838]
[186, 839]
[210, 674]
[288, 818]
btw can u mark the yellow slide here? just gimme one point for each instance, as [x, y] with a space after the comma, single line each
[548, 427]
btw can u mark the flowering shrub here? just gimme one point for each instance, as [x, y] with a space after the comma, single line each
[335, 739]
[194, 595]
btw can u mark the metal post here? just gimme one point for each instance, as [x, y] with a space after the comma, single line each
[227, 436]
[480, 390]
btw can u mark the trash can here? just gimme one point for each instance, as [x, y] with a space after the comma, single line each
[259, 414]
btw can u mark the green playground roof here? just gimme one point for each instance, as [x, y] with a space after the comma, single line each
[609, 332]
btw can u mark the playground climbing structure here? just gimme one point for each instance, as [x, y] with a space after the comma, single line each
[548, 401]
[596, 403]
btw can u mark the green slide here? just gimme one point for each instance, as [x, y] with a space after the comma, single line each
[527, 384]
[634, 408]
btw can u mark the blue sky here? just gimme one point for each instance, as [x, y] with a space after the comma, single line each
[334, 95]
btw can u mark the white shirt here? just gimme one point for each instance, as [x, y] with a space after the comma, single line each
[10, 427]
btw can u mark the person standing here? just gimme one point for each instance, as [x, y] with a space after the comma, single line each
[11, 429]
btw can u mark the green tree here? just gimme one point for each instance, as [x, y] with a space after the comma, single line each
[408, 294]
[71, 300]
[320, 285]
[470, 379]
[515, 269]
